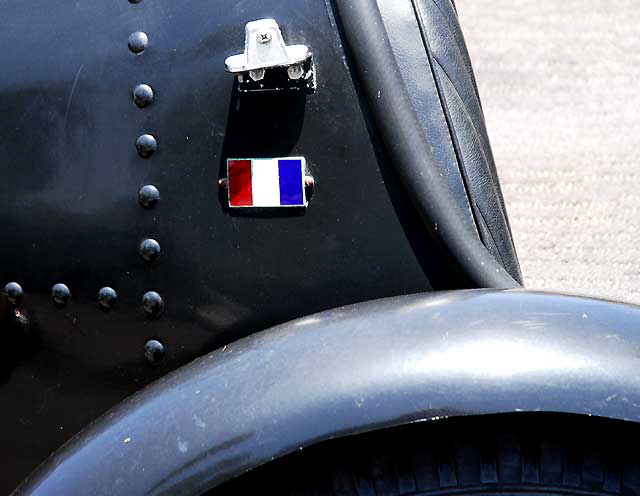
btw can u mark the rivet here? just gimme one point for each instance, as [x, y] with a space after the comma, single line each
[143, 95]
[146, 145]
[60, 294]
[138, 41]
[152, 303]
[154, 351]
[14, 293]
[107, 298]
[149, 250]
[149, 196]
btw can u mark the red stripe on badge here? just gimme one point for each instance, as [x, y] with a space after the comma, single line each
[240, 191]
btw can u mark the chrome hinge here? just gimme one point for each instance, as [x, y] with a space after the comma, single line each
[268, 63]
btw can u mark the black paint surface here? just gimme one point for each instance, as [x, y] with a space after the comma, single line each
[70, 210]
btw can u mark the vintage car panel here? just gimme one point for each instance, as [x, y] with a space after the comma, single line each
[354, 369]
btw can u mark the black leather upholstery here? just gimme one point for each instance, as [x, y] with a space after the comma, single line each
[432, 56]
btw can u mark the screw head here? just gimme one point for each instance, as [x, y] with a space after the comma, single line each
[138, 41]
[154, 351]
[152, 303]
[60, 294]
[264, 37]
[257, 74]
[149, 196]
[143, 95]
[146, 145]
[14, 293]
[295, 71]
[107, 298]
[149, 250]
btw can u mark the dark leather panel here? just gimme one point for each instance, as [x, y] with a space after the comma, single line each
[447, 10]
[445, 44]
[413, 61]
[485, 201]
[435, 65]
[70, 181]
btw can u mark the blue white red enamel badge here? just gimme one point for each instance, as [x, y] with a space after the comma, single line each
[267, 182]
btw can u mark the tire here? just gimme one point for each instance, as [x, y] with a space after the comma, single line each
[498, 454]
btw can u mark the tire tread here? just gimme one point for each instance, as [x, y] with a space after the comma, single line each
[534, 453]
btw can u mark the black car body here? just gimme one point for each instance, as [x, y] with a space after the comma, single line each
[405, 200]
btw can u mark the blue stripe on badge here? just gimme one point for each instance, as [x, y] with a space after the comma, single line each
[290, 172]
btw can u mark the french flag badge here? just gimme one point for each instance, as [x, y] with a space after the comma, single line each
[266, 182]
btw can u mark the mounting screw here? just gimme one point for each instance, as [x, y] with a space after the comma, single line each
[295, 71]
[257, 74]
[264, 37]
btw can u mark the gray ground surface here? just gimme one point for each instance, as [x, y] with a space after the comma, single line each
[560, 87]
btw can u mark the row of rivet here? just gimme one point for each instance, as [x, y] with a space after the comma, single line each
[152, 303]
[146, 145]
[143, 96]
[107, 297]
[148, 197]
[149, 249]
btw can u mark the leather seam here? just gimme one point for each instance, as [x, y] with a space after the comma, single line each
[467, 67]
[447, 115]
[477, 101]
[466, 112]
[493, 239]
[493, 179]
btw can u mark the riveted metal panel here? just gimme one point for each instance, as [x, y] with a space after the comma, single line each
[92, 164]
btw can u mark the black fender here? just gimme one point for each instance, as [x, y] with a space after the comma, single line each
[351, 370]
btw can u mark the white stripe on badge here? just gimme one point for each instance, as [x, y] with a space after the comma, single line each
[265, 182]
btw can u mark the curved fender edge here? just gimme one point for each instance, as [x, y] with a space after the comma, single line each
[350, 370]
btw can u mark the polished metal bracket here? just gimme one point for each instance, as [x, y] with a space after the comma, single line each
[268, 63]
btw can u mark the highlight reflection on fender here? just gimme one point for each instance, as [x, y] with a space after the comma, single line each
[494, 357]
